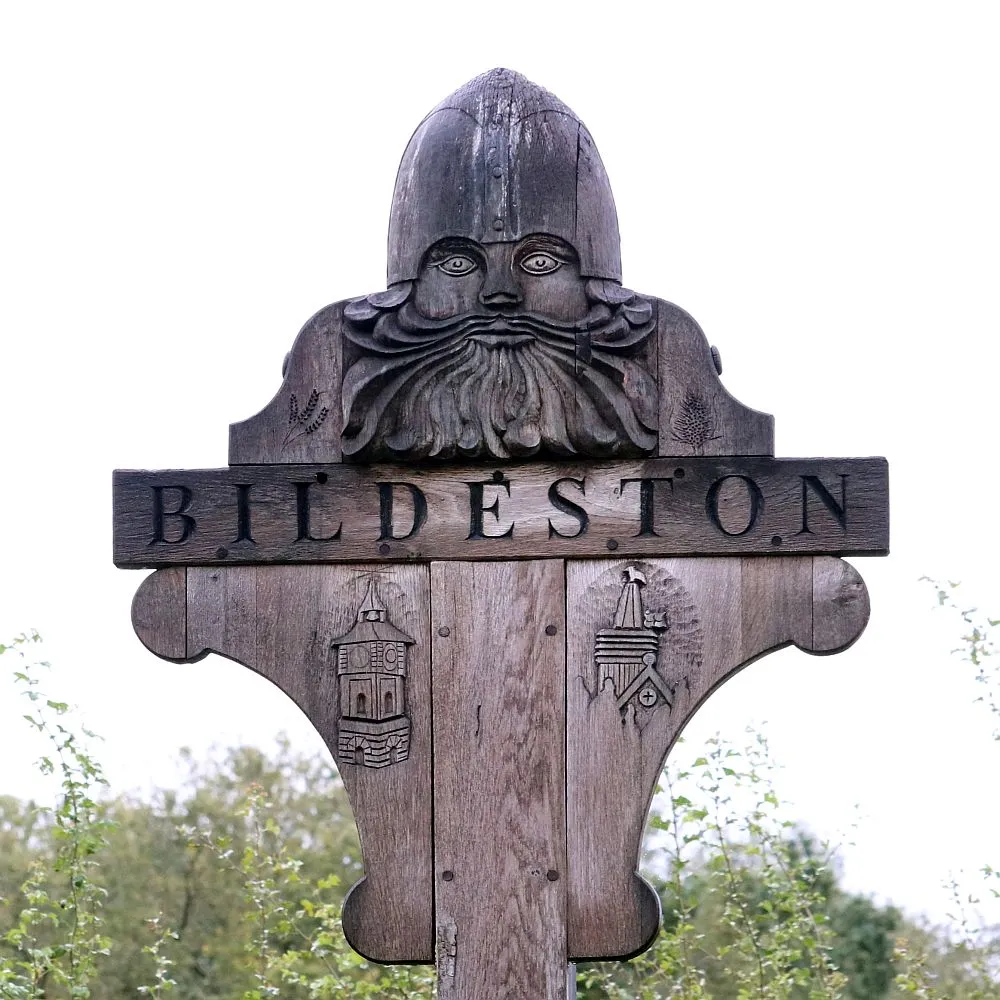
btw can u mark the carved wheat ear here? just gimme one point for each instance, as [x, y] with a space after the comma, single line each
[305, 420]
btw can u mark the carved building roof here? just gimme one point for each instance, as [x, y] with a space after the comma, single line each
[373, 624]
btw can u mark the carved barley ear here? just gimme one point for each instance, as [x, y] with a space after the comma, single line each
[694, 421]
[305, 420]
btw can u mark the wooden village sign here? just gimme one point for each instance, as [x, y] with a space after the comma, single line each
[499, 535]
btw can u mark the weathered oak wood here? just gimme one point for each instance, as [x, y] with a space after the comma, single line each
[706, 619]
[697, 415]
[499, 779]
[284, 623]
[339, 513]
[302, 423]
[568, 649]
[159, 613]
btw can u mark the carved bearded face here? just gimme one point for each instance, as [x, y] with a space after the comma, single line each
[499, 351]
[505, 331]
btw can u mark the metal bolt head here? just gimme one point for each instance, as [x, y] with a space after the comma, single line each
[717, 360]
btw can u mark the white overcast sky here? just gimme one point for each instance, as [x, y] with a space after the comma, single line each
[182, 185]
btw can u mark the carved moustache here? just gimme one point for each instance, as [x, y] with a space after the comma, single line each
[488, 386]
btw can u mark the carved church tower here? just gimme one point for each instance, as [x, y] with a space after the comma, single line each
[626, 653]
[371, 674]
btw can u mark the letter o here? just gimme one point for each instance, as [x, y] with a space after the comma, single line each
[754, 497]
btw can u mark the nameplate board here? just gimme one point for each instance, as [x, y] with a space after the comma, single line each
[259, 514]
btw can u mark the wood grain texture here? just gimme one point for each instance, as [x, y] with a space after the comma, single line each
[499, 779]
[302, 423]
[722, 614]
[697, 415]
[657, 507]
[159, 613]
[518, 161]
[281, 622]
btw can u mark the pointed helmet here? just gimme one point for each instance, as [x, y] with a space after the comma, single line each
[497, 161]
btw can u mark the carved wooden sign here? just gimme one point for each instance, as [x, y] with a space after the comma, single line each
[511, 496]
[340, 513]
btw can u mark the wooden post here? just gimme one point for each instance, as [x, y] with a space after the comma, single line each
[500, 533]
[499, 778]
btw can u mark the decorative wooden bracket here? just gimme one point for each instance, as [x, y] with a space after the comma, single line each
[489, 687]
[721, 614]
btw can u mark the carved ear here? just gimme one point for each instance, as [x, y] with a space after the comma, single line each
[610, 293]
[393, 296]
[367, 308]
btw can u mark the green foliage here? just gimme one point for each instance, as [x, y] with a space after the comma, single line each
[978, 646]
[57, 936]
[231, 887]
[746, 896]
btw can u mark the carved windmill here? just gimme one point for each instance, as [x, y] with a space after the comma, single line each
[577, 535]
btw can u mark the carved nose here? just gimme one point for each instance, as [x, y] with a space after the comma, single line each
[499, 289]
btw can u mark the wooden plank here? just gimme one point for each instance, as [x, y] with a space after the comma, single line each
[300, 612]
[840, 605]
[703, 620]
[697, 415]
[159, 613]
[657, 507]
[614, 755]
[223, 616]
[283, 623]
[499, 779]
[776, 601]
[302, 422]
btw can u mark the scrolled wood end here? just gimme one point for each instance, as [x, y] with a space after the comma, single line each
[159, 613]
[841, 605]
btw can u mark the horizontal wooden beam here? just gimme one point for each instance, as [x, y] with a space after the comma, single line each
[259, 514]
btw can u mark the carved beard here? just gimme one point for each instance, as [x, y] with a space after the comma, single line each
[497, 386]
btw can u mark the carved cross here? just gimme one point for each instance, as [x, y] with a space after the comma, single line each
[511, 496]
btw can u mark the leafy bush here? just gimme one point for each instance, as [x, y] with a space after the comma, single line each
[230, 888]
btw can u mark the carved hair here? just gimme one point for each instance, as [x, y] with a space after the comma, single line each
[483, 386]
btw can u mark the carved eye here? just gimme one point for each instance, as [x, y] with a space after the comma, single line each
[540, 263]
[457, 265]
